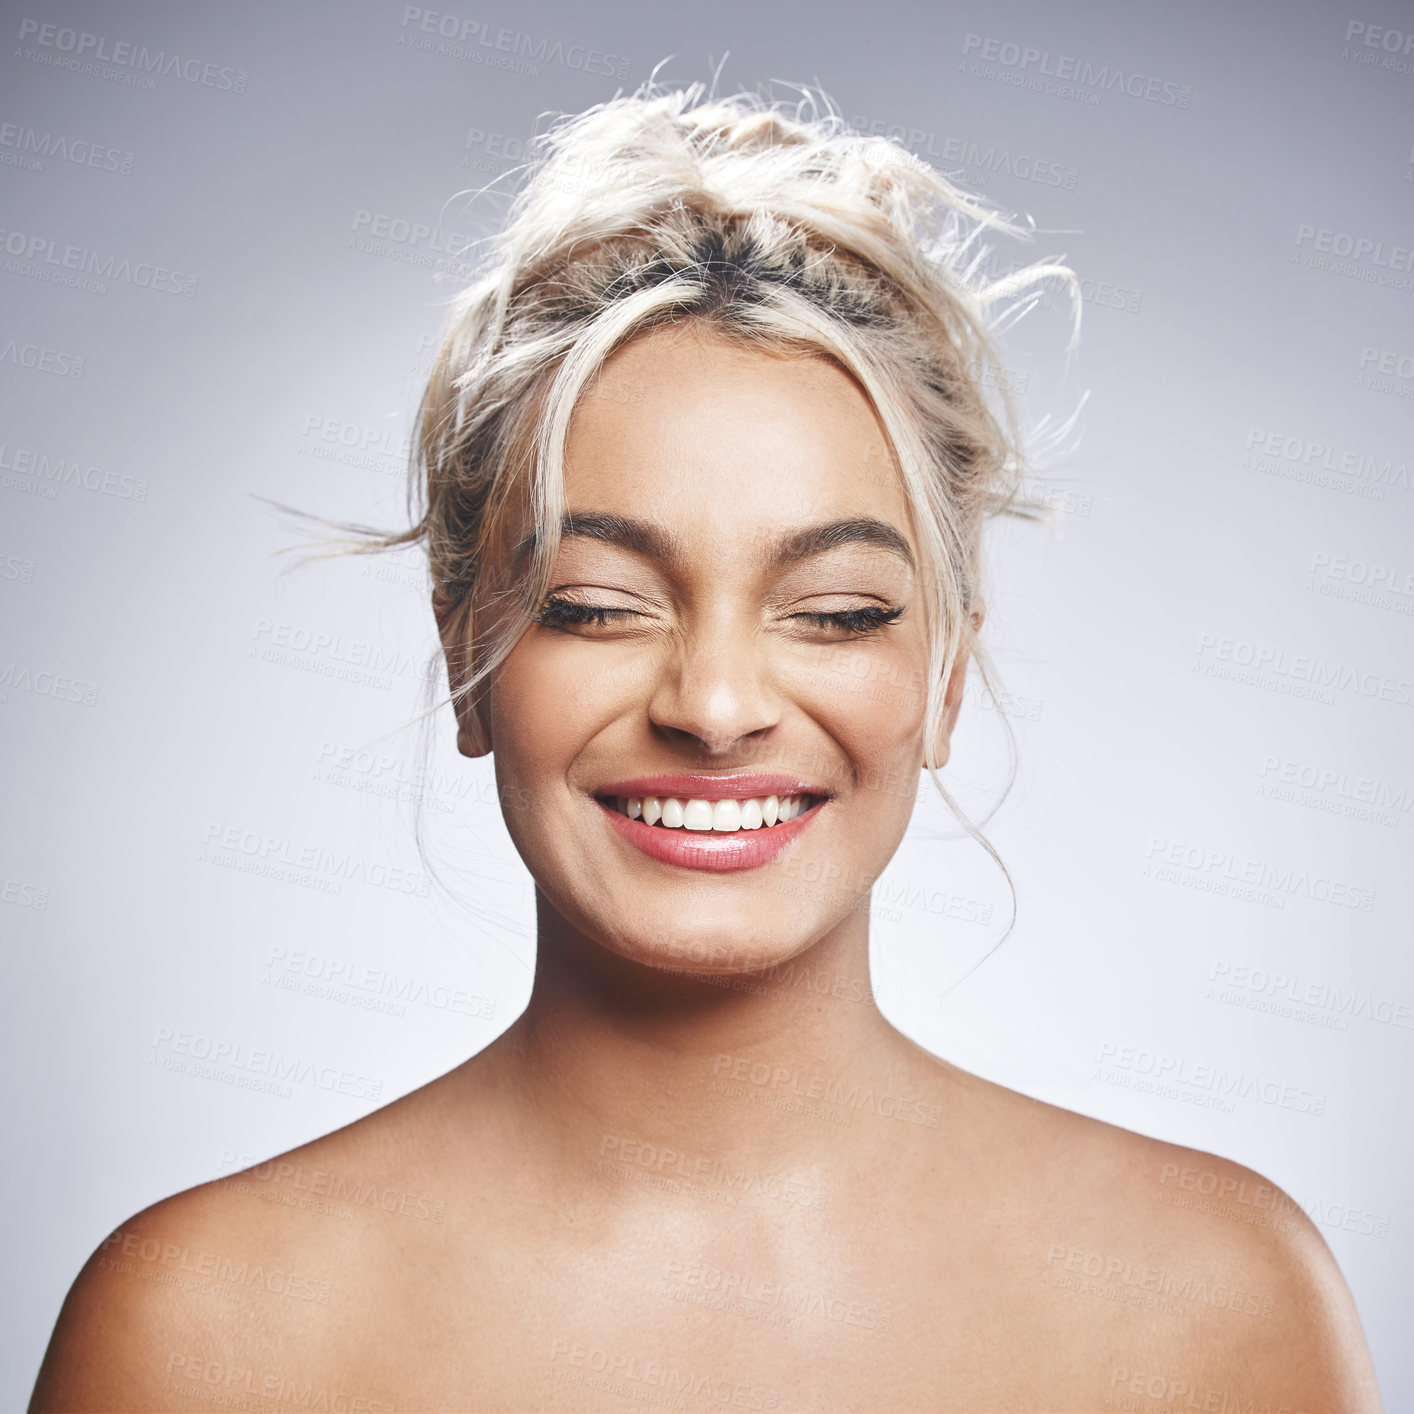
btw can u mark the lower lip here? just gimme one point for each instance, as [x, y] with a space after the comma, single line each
[704, 849]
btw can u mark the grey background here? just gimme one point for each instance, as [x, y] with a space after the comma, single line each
[136, 564]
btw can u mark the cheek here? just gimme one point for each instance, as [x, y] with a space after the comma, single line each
[876, 693]
[870, 701]
[548, 700]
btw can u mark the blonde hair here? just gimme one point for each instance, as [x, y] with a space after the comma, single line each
[781, 230]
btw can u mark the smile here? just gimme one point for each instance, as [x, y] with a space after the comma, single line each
[719, 816]
[719, 824]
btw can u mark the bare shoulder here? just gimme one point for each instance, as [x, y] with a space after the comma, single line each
[250, 1285]
[1207, 1278]
[1299, 1339]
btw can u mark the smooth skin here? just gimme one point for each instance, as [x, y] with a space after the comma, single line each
[702, 1171]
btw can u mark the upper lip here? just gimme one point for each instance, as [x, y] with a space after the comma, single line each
[739, 785]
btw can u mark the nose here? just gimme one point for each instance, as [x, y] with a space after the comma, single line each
[715, 693]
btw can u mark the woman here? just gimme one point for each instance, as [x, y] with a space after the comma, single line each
[707, 458]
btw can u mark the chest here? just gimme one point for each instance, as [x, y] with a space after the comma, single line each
[682, 1331]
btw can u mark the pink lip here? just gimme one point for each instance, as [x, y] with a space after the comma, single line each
[686, 785]
[702, 849]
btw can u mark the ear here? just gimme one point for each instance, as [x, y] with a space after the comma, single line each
[473, 716]
[957, 682]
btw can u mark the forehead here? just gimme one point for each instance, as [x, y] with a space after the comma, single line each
[685, 428]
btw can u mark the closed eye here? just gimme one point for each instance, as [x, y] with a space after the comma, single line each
[555, 613]
[866, 620]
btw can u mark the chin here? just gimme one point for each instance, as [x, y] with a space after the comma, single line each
[694, 920]
[717, 949]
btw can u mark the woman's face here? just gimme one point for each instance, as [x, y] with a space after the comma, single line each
[734, 632]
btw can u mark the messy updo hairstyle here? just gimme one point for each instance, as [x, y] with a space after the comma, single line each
[778, 228]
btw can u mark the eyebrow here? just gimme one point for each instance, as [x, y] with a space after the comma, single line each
[642, 538]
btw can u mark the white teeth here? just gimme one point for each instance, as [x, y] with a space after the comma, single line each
[719, 816]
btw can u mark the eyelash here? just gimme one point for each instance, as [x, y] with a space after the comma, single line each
[556, 613]
[869, 619]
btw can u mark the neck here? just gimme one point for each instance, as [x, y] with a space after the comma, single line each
[760, 1067]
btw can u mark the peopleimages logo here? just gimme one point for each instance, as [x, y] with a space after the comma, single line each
[1167, 858]
[41, 359]
[41, 257]
[1386, 371]
[52, 471]
[1377, 252]
[233, 1062]
[829, 1090]
[1360, 582]
[1286, 993]
[1214, 1081]
[238, 1387]
[1321, 463]
[61, 688]
[330, 654]
[436, 31]
[1299, 674]
[980, 159]
[1337, 792]
[27, 148]
[254, 853]
[339, 980]
[1028, 67]
[1377, 45]
[723, 1289]
[1357, 257]
[65, 48]
[376, 449]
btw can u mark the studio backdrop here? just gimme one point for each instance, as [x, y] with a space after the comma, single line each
[229, 238]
